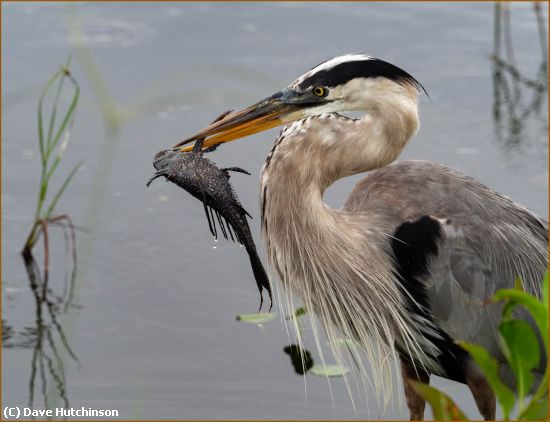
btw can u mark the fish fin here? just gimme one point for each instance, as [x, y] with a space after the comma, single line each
[197, 146]
[230, 231]
[243, 210]
[155, 176]
[246, 212]
[213, 222]
[236, 169]
[237, 204]
[222, 226]
[212, 148]
[212, 229]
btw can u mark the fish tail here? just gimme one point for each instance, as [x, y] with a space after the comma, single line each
[260, 275]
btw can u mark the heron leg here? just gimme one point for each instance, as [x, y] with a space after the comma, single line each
[482, 392]
[415, 402]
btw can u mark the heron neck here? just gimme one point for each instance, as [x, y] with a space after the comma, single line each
[309, 156]
[317, 151]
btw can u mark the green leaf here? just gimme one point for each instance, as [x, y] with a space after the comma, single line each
[61, 190]
[41, 138]
[545, 291]
[537, 410]
[489, 367]
[329, 370]
[297, 313]
[443, 407]
[538, 310]
[258, 318]
[66, 119]
[53, 113]
[65, 72]
[521, 349]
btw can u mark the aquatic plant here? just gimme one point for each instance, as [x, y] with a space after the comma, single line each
[520, 347]
[47, 334]
[53, 139]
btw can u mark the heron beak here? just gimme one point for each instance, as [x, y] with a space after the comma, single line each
[266, 114]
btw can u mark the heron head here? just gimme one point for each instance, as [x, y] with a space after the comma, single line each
[353, 82]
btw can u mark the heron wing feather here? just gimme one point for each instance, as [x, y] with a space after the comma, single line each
[489, 241]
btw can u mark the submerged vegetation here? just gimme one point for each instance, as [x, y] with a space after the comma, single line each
[300, 358]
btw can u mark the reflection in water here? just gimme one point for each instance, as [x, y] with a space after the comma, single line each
[510, 85]
[300, 358]
[46, 337]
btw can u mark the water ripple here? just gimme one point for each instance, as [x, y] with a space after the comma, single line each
[106, 31]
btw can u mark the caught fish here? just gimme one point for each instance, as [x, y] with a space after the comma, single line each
[209, 184]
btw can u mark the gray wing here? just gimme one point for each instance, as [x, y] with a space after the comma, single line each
[488, 241]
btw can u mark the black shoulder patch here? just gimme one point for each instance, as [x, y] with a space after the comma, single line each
[368, 68]
[413, 243]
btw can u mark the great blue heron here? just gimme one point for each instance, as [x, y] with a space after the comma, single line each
[407, 263]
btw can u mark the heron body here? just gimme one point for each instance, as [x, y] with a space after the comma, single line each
[405, 266]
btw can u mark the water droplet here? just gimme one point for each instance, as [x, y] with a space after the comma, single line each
[241, 245]
[214, 246]
[215, 240]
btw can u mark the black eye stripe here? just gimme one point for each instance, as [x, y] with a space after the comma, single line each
[344, 72]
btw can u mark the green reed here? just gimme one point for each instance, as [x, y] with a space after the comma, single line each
[54, 127]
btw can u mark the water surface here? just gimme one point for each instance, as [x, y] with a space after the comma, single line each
[155, 329]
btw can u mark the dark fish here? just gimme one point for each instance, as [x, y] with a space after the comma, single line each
[205, 181]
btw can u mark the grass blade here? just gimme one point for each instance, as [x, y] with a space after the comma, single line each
[41, 143]
[69, 115]
[54, 113]
[64, 70]
[61, 190]
[43, 147]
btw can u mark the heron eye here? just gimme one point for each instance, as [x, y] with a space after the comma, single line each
[319, 91]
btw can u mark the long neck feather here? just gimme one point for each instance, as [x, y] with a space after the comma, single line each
[338, 263]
